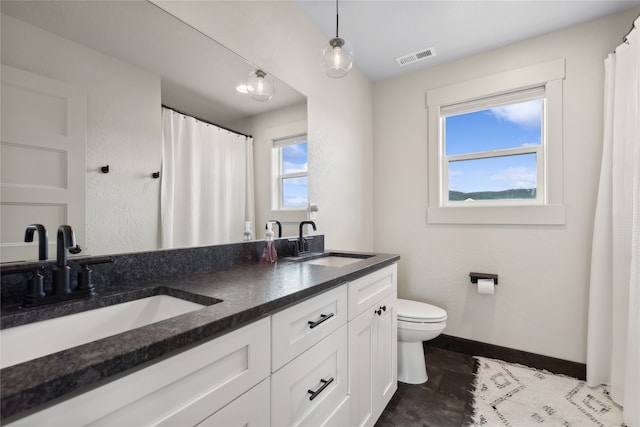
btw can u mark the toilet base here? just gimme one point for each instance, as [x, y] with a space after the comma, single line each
[411, 364]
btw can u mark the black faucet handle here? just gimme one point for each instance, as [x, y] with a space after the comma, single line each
[35, 288]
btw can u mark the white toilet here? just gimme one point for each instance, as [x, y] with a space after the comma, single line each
[417, 322]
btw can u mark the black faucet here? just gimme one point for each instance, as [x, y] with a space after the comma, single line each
[43, 239]
[62, 272]
[279, 227]
[303, 247]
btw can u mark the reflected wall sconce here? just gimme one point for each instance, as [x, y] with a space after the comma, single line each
[337, 56]
[260, 86]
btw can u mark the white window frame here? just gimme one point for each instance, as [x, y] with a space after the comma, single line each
[273, 135]
[279, 177]
[548, 208]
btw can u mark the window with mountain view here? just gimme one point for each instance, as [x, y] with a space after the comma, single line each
[493, 150]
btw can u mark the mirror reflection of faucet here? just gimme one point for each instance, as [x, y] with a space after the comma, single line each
[62, 273]
[279, 226]
[301, 246]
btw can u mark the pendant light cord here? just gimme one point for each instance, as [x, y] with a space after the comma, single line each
[337, 15]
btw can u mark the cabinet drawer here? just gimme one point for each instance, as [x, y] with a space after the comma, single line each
[366, 291]
[249, 410]
[309, 389]
[297, 328]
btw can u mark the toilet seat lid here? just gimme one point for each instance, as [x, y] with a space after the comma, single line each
[420, 312]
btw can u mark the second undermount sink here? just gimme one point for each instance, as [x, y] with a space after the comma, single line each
[27, 342]
[337, 260]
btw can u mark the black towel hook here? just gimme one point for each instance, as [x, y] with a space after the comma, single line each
[105, 169]
[155, 175]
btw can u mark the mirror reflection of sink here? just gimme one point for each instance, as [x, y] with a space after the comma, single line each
[336, 260]
[26, 342]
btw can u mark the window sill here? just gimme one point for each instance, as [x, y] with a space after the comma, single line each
[289, 215]
[507, 215]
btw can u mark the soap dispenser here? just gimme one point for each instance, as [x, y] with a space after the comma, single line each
[269, 254]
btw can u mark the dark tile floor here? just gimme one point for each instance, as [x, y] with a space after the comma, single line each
[445, 400]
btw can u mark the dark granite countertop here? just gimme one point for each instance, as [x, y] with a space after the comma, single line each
[247, 293]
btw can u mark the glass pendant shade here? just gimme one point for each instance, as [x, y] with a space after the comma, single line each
[337, 58]
[260, 86]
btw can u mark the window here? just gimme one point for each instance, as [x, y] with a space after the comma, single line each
[291, 181]
[495, 148]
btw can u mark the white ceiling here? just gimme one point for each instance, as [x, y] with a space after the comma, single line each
[381, 30]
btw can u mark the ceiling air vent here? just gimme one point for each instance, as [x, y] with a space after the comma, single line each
[416, 56]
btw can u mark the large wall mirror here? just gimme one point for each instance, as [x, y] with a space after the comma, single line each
[82, 87]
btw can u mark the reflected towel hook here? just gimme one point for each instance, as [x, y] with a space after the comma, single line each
[105, 169]
[155, 175]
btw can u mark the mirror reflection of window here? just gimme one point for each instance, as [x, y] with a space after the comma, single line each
[291, 177]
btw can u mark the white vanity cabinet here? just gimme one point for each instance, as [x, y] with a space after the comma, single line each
[372, 345]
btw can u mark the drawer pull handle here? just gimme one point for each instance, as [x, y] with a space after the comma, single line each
[322, 318]
[325, 384]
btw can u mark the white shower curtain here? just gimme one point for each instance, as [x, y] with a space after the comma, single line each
[613, 345]
[207, 183]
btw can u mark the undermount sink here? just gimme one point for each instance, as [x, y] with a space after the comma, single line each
[27, 342]
[336, 260]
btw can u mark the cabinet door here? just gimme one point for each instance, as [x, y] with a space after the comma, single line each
[361, 368]
[385, 356]
[373, 376]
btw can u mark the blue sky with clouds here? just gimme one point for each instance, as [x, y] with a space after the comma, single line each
[295, 190]
[510, 126]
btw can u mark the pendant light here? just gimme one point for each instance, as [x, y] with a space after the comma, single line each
[337, 56]
[260, 86]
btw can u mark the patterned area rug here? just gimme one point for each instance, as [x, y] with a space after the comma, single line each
[507, 394]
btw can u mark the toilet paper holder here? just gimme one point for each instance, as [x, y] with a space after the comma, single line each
[475, 276]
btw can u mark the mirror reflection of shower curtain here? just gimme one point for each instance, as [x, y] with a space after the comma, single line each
[207, 183]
